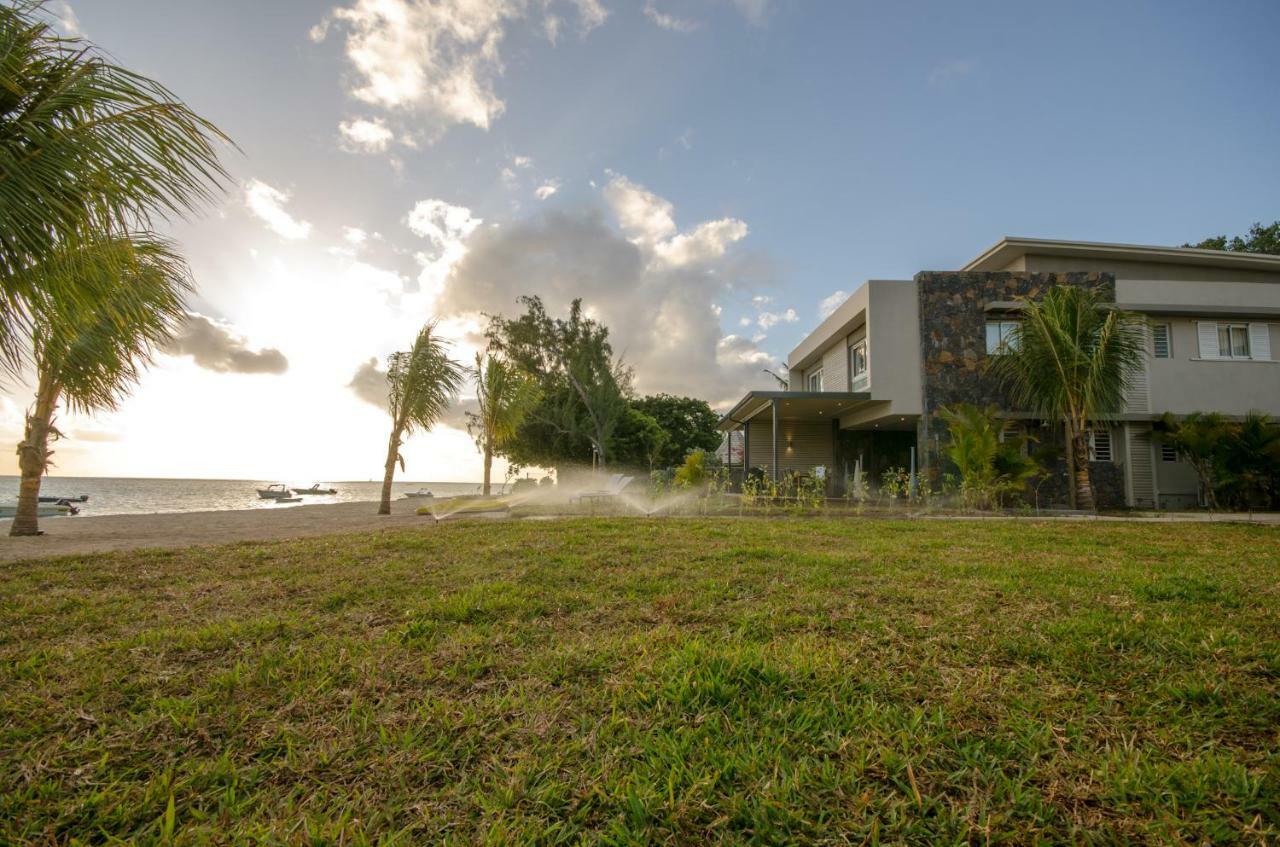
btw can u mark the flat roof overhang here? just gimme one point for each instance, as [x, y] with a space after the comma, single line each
[794, 406]
[1009, 248]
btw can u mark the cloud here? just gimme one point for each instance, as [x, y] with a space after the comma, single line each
[447, 227]
[361, 135]
[438, 58]
[547, 189]
[64, 18]
[648, 220]
[663, 318]
[755, 11]
[943, 75]
[354, 235]
[831, 302]
[666, 21]
[768, 320]
[369, 383]
[268, 204]
[213, 346]
[522, 161]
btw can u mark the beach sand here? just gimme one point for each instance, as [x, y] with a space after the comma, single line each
[85, 534]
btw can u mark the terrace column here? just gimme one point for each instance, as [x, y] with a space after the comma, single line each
[773, 469]
[746, 449]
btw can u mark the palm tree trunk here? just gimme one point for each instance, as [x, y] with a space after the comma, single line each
[1083, 487]
[389, 469]
[33, 459]
[488, 465]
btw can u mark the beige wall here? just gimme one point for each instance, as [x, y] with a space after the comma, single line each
[1159, 272]
[1183, 383]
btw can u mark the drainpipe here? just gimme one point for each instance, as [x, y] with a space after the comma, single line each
[774, 470]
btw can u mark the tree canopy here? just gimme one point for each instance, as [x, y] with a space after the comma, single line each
[1260, 239]
[689, 424]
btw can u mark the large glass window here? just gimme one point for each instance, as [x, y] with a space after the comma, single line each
[814, 382]
[1000, 336]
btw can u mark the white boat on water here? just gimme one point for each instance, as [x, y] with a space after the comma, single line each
[421, 492]
[44, 510]
[276, 491]
[315, 489]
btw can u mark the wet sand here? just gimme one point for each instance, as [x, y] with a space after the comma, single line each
[86, 534]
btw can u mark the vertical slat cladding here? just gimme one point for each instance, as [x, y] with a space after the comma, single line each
[1141, 468]
[810, 444]
[835, 367]
[1137, 393]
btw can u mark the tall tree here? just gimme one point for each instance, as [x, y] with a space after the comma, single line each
[1260, 239]
[1070, 359]
[87, 149]
[89, 350]
[689, 424]
[505, 395]
[421, 384]
[638, 440]
[584, 388]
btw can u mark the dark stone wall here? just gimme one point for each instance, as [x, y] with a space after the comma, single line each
[953, 345]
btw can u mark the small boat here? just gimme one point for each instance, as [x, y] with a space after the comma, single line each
[315, 489]
[421, 492]
[287, 499]
[82, 498]
[276, 491]
[44, 510]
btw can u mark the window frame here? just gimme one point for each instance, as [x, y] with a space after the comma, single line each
[809, 378]
[1004, 327]
[1167, 329]
[1093, 445]
[1167, 451]
[856, 372]
[1230, 329]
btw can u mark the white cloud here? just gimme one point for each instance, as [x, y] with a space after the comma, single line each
[755, 11]
[522, 161]
[447, 227]
[668, 21]
[943, 75]
[439, 58]
[64, 18]
[547, 189]
[768, 320]
[361, 135]
[831, 302]
[354, 235]
[268, 204]
[648, 220]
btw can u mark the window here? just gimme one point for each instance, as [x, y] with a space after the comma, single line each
[1100, 445]
[814, 381]
[1168, 453]
[1000, 336]
[1233, 341]
[858, 365]
[1161, 341]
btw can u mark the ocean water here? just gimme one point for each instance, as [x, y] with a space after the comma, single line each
[126, 496]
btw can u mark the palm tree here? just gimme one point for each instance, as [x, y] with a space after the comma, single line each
[90, 350]
[86, 148]
[421, 383]
[1070, 359]
[505, 395]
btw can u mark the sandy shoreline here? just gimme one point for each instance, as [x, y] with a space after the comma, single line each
[96, 534]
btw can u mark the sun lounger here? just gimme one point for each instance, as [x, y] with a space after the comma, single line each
[613, 488]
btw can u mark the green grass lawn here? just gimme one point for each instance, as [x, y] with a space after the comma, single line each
[629, 681]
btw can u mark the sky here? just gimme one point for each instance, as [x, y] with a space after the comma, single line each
[710, 176]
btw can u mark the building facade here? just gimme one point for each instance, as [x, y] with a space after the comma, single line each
[867, 384]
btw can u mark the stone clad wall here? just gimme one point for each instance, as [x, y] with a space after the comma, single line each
[953, 355]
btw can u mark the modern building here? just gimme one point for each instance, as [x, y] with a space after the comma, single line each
[868, 382]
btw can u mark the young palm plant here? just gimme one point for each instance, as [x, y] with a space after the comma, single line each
[86, 148]
[505, 395]
[421, 383]
[1070, 359]
[89, 350]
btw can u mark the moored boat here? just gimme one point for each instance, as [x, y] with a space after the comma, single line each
[275, 491]
[315, 489]
[421, 492]
[79, 498]
[43, 510]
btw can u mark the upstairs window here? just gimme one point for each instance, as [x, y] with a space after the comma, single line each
[1000, 336]
[858, 365]
[814, 381]
[1100, 445]
[1161, 341]
[1233, 341]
